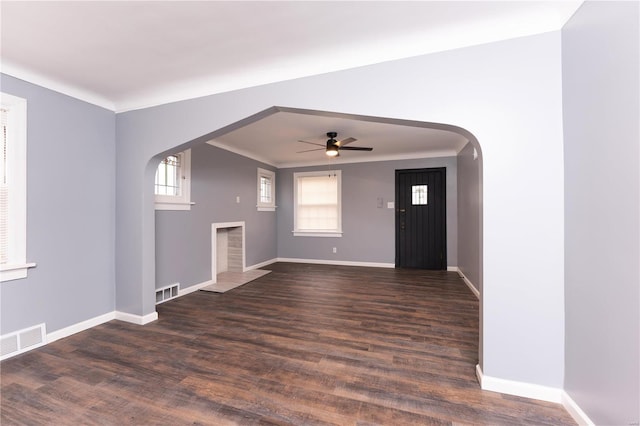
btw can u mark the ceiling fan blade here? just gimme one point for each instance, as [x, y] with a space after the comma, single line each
[343, 142]
[309, 150]
[313, 143]
[355, 148]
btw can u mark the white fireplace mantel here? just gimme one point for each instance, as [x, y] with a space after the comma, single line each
[237, 260]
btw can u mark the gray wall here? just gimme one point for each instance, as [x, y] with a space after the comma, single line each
[183, 238]
[70, 212]
[601, 109]
[469, 216]
[368, 231]
[500, 92]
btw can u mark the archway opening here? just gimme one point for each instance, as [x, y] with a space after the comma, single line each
[224, 165]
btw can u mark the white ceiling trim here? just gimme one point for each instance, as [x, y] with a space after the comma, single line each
[243, 153]
[8, 68]
[330, 162]
[278, 128]
[374, 158]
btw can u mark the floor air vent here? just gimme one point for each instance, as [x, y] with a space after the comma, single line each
[21, 341]
[167, 293]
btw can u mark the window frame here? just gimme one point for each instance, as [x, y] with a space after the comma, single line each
[182, 201]
[317, 233]
[270, 206]
[16, 266]
[420, 196]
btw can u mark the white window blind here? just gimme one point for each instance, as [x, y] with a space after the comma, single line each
[4, 192]
[317, 203]
[13, 188]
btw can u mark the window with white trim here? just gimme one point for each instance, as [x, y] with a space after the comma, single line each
[317, 203]
[419, 195]
[13, 189]
[173, 182]
[266, 190]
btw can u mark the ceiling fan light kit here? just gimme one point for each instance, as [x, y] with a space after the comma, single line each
[332, 150]
[334, 146]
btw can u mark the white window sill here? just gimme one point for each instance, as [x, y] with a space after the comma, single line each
[14, 272]
[174, 206]
[266, 208]
[333, 234]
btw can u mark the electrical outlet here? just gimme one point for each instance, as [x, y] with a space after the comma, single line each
[335, 249]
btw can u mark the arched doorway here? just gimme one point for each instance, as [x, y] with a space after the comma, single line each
[233, 153]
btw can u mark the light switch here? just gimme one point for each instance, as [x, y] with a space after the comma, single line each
[380, 202]
[391, 205]
[237, 199]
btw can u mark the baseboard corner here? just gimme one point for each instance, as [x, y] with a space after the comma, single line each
[512, 387]
[479, 374]
[575, 411]
[136, 319]
[469, 284]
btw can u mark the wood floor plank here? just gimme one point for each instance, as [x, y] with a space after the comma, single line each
[303, 345]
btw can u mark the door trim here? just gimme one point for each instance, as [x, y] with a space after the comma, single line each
[443, 171]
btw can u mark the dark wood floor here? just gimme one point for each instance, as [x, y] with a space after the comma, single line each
[306, 344]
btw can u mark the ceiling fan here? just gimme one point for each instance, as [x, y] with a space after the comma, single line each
[333, 146]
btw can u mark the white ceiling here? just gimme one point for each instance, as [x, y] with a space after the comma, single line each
[275, 139]
[125, 55]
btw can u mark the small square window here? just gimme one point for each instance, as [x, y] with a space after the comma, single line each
[266, 190]
[419, 195]
[168, 176]
[173, 182]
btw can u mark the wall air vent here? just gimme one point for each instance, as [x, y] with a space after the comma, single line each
[167, 293]
[23, 340]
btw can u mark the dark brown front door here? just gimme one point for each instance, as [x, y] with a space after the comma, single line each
[421, 218]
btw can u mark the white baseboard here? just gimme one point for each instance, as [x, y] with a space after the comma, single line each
[81, 326]
[453, 269]
[512, 387]
[576, 412]
[196, 287]
[469, 284]
[136, 319]
[260, 265]
[528, 390]
[337, 262]
[95, 321]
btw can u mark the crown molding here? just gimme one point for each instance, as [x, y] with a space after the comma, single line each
[243, 153]
[29, 76]
[371, 159]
